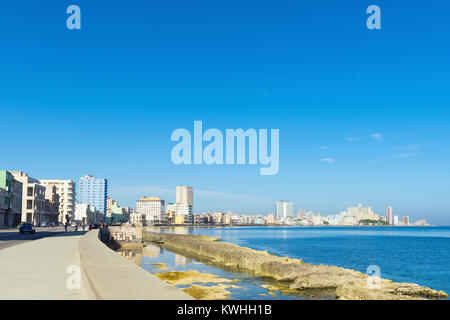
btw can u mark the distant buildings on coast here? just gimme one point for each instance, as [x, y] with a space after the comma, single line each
[353, 216]
[45, 201]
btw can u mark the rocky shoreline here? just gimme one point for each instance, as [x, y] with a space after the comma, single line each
[300, 276]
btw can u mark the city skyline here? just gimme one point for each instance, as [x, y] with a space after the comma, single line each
[362, 114]
[159, 192]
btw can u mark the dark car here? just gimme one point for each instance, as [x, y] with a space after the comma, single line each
[27, 227]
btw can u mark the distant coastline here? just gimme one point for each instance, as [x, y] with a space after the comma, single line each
[285, 226]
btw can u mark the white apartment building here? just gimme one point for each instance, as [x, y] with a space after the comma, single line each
[181, 210]
[284, 209]
[66, 191]
[270, 219]
[396, 221]
[153, 209]
[359, 210]
[362, 213]
[82, 213]
[33, 198]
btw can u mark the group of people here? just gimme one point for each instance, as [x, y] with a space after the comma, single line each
[76, 226]
[91, 226]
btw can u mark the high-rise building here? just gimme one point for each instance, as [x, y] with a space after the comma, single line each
[66, 191]
[185, 194]
[395, 220]
[405, 220]
[284, 209]
[184, 204]
[94, 191]
[389, 216]
[153, 210]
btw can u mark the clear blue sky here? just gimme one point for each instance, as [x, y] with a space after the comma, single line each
[105, 99]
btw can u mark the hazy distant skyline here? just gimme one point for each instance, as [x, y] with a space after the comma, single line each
[363, 114]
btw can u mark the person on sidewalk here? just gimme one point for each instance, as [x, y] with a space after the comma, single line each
[65, 227]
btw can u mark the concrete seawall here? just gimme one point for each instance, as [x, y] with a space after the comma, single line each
[111, 277]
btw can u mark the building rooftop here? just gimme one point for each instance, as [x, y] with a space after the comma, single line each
[155, 198]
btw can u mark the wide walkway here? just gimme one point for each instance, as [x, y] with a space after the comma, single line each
[39, 269]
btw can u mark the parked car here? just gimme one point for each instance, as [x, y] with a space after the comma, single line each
[26, 227]
[43, 224]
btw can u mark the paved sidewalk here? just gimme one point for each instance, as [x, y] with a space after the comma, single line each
[38, 269]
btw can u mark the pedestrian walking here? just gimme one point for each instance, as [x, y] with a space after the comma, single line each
[65, 227]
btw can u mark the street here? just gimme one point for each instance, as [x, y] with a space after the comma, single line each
[12, 237]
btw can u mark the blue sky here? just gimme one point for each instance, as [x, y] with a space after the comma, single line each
[363, 114]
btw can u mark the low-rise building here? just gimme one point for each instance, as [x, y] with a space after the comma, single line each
[33, 198]
[421, 223]
[270, 219]
[137, 219]
[219, 218]
[3, 207]
[116, 214]
[12, 213]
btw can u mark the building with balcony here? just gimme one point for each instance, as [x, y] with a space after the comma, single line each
[153, 209]
[284, 210]
[11, 214]
[33, 198]
[94, 191]
[137, 219]
[182, 213]
[66, 192]
[3, 207]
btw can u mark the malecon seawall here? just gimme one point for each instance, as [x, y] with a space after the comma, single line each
[111, 277]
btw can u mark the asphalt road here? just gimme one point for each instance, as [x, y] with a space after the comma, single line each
[12, 237]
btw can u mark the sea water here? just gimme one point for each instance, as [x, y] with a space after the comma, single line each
[403, 254]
